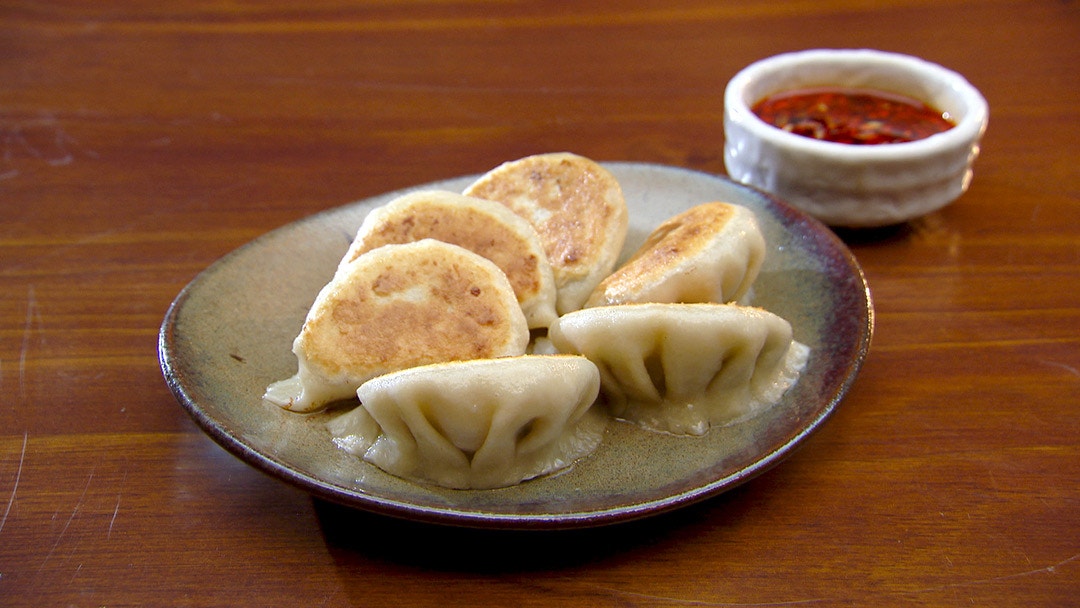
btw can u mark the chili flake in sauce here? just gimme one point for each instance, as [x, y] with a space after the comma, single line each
[852, 116]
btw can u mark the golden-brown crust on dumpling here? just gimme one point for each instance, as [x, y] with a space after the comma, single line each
[396, 307]
[481, 226]
[412, 304]
[709, 253]
[576, 206]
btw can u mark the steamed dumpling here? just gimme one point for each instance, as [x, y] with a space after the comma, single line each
[476, 424]
[575, 205]
[709, 253]
[396, 307]
[681, 368]
[481, 226]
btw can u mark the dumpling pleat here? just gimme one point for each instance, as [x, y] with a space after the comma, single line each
[477, 424]
[681, 368]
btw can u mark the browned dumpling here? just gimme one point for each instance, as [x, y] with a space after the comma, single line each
[575, 205]
[709, 253]
[396, 307]
[481, 226]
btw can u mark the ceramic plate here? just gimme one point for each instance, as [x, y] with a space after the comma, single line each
[229, 334]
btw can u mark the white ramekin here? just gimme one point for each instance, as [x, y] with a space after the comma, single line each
[852, 185]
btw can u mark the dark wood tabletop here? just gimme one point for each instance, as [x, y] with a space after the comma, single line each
[140, 142]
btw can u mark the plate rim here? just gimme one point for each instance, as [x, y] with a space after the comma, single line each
[763, 462]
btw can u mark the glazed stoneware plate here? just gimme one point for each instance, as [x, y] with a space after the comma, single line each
[229, 334]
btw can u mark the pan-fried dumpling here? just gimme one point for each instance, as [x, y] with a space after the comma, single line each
[681, 368]
[709, 253]
[476, 424]
[576, 206]
[395, 307]
[481, 226]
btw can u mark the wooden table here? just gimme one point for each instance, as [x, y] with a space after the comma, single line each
[139, 142]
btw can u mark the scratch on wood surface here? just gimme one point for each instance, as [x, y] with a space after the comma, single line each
[18, 476]
[1051, 569]
[67, 524]
[36, 139]
[32, 315]
[116, 509]
[1072, 370]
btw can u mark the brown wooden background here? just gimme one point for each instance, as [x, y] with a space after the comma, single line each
[139, 142]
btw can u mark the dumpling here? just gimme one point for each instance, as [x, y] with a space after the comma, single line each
[682, 368]
[396, 307]
[709, 253]
[576, 206]
[481, 226]
[476, 424]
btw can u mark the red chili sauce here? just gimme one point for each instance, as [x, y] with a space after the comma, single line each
[852, 116]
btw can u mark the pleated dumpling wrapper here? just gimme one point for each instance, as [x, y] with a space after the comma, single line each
[396, 307]
[709, 253]
[477, 424]
[481, 226]
[578, 209]
[683, 368]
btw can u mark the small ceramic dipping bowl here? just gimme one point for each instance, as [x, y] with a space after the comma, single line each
[850, 185]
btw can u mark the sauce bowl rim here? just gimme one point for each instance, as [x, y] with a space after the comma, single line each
[970, 127]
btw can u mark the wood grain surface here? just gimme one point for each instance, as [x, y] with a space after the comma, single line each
[140, 142]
